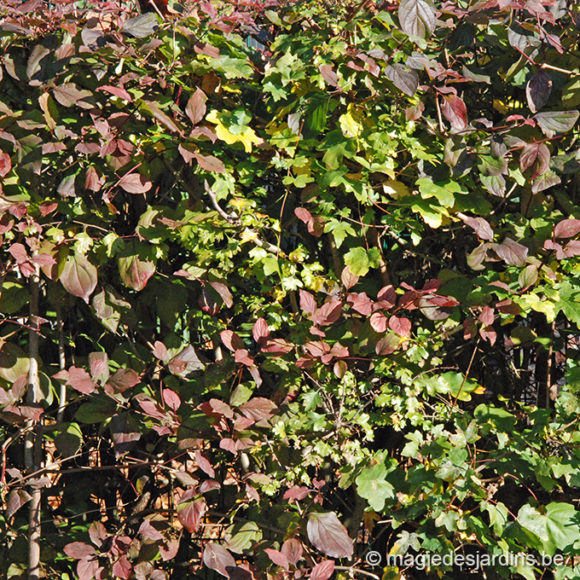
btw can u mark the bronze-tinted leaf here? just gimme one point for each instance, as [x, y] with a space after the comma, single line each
[196, 108]
[278, 558]
[141, 26]
[69, 95]
[190, 513]
[329, 76]
[78, 550]
[135, 272]
[79, 276]
[400, 325]
[511, 252]
[210, 163]
[403, 78]
[554, 122]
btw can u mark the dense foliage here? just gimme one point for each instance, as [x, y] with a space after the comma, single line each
[286, 282]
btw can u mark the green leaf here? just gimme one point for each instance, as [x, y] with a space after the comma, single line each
[373, 487]
[361, 261]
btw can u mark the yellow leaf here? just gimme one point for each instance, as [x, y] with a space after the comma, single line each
[246, 137]
[349, 124]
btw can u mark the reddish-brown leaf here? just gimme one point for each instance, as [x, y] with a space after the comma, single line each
[455, 111]
[307, 302]
[5, 164]
[259, 409]
[171, 399]
[400, 325]
[78, 550]
[135, 183]
[292, 549]
[196, 108]
[122, 568]
[117, 92]
[123, 380]
[328, 313]
[379, 322]
[329, 76]
[297, 493]
[567, 228]
[204, 464]
[278, 558]
[260, 331]
[80, 380]
[210, 163]
[348, 278]
[323, 570]
[231, 340]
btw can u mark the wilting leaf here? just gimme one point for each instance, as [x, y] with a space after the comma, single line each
[141, 26]
[195, 108]
[538, 90]
[217, 558]
[455, 111]
[404, 79]
[79, 276]
[417, 17]
[328, 535]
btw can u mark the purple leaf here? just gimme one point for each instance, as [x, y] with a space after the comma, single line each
[258, 409]
[190, 513]
[260, 331]
[480, 226]
[210, 163]
[400, 325]
[538, 90]
[554, 122]
[535, 153]
[307, 302]
[124, 379]
[328, 535]
[404, 79]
